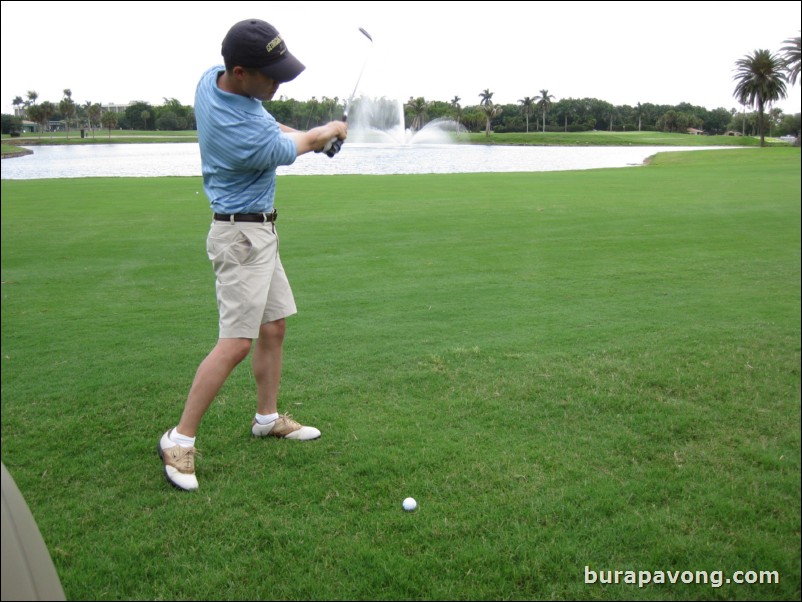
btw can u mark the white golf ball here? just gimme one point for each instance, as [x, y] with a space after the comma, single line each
[409, 504]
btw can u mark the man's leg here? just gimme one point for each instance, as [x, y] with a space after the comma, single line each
[212, 373]
[177, 446]
[267, 359]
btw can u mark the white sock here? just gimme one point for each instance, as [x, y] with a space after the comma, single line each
[266, 418]
[182, 440]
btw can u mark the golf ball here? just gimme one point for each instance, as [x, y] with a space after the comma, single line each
[409, 504]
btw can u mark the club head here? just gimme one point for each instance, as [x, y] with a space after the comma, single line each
[366, 34]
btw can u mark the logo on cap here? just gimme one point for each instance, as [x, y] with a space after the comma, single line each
[273, 43]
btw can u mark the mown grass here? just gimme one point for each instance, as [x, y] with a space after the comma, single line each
[602, 138]
[569, 369]
[101, 136]
[595, 138]
[10, 150]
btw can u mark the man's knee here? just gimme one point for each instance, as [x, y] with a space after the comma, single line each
[274, 331]
[235, 350]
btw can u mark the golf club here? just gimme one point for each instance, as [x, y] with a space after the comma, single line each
[334, 146]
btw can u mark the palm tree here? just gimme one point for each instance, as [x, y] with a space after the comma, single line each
[418, 107]
[18, 102]
[760, 81]
[792, 58]
[93, 113]
[457, 108]
[34, 113]
[529, 106]
[639, 109]
[544, 102]
[67, 108]
[45, 111]
[491, 111]
[32, 96]
[487, 97]
[109, 120]
[568, 109]
[612, 117]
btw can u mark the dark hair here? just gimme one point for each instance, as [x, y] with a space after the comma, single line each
[249, 70]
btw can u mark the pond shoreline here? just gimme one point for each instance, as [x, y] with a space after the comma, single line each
[17, 153]
[167, 159]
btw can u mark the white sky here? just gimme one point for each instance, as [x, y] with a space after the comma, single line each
[620, 52]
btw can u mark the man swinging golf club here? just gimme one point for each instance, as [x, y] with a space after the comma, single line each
[241, 146]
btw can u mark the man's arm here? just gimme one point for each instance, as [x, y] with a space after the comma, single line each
[316, 138]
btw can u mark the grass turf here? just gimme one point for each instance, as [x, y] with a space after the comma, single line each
[579, 369]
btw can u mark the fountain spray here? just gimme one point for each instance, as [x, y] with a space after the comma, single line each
[334, 146]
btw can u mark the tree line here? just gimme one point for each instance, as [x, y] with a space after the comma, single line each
[760, 80]
[139, 115]
[565, 115]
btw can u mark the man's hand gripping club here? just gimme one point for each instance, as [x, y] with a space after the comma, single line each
[321, 138]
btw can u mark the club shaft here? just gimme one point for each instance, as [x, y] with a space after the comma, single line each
[335, 145]
[361, 72]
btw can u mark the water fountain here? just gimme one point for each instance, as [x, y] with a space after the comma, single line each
[381, 121]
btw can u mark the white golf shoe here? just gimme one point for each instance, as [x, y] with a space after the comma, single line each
[284, 427]
[179, 463]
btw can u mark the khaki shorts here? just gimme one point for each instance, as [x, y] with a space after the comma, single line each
[252, 288]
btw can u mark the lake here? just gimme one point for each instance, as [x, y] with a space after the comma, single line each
[183, 159]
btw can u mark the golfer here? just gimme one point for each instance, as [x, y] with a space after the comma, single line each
[241, 146]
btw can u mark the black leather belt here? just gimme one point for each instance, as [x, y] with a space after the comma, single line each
[264, 218]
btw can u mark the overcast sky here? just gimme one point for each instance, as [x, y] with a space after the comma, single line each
[620, 52]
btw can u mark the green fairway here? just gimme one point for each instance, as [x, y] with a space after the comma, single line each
[592, 369]
[602, 138]
[100, 136]
[594, 138]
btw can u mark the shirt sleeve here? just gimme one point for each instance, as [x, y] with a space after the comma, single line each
[270, 147]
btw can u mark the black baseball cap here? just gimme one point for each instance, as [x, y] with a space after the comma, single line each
[257, 44]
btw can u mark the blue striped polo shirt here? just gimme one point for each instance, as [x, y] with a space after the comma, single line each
[241, 146]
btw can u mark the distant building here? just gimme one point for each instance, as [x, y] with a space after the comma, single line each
[114, 107]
